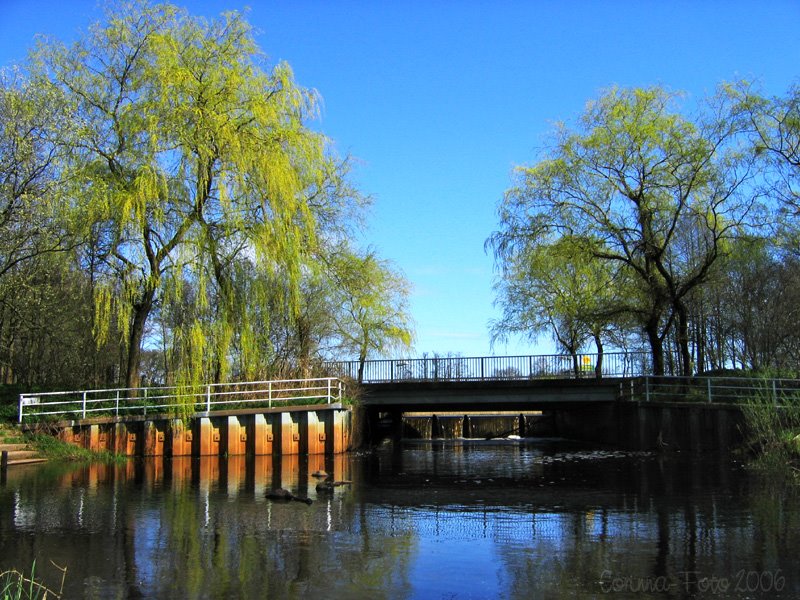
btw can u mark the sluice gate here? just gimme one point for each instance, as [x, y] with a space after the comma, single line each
[474, 425]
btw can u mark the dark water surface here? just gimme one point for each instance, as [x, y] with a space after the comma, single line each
[502, 519]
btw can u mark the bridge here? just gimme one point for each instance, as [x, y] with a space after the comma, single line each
[491, 382]
[610, 398]
[613, 398]
[495, 368]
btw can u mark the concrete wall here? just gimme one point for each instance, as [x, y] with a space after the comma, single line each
[655, 425]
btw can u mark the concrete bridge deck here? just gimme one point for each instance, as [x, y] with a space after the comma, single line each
[501, 395]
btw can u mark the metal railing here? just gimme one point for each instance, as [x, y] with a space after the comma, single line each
[194, 399]
[731, 390]
[547, 366]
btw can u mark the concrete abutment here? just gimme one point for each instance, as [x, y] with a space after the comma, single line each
[647, 426]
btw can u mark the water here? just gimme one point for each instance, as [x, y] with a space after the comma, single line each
[430, 519]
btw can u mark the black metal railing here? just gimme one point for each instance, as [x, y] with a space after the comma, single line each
[482, 368]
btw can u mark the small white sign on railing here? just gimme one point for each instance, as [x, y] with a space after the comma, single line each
[30, 400]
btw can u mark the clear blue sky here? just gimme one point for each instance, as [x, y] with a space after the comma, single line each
[439, 100]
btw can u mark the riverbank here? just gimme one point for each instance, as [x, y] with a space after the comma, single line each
[773, 435]
[24, 448]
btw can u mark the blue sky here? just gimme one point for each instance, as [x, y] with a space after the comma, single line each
[439, 100]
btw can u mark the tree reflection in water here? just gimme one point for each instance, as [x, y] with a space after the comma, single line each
[452, 519]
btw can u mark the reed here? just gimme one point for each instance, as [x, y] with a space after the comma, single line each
[773, 430]
[15, 585]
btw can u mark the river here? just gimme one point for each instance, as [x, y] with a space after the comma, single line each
[427, 519]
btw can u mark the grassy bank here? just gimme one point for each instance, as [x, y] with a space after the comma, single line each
[773, 433]
[54, 449]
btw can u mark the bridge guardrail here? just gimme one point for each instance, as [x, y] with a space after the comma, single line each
[547, 366]
[711, 389]
[202, 398]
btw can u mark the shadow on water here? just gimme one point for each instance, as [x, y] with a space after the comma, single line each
[428, 519]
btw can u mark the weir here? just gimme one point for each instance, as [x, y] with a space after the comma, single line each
[476, 425]
[286, 417]
[284, 431]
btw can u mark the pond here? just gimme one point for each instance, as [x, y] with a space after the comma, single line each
[428, 519]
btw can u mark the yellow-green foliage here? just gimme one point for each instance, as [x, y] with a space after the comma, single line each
[194, 157]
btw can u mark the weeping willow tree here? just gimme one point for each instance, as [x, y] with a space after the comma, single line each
[192, 160]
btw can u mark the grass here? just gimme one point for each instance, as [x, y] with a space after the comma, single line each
[14, 585]
[773, 432]
[55, 449]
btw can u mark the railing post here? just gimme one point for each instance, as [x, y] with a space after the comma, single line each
[647, 388]
[774, 393]
[269, 394]
[145, 402]
[208, 397]
[708, 385]
[116, 405]
[84, 405]
[329, 390]
[481, 368]
[20, 408]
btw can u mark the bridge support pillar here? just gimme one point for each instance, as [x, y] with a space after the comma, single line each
[154, 437]
[290, 434]
[210, 437]
[466, 427]
[397, 425]
[315, 433]
[436, 428]
[260, 435]
[236, 436]
[118, 443]
[72, 435]
[181, 438]
[92, 437]
[337, 430]
[129, 442]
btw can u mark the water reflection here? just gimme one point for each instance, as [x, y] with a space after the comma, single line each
[428, 520]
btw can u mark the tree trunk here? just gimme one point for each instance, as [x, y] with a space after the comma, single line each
[656, 346]
[682, 338]
[141, 311]
[362, 358]
[598, 368]
[576, 367]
